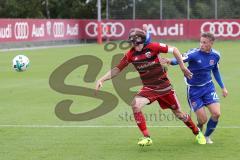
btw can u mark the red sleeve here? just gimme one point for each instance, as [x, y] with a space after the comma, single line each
[163, 48]
[160, 47]
[123, 63]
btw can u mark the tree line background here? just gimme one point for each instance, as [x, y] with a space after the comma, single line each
[119, 9]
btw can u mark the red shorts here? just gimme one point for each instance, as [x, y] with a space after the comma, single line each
[166, 100]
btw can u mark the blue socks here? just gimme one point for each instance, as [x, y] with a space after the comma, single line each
[211, 125]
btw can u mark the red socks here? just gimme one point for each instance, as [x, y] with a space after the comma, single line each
[140, 120]
[188, 121]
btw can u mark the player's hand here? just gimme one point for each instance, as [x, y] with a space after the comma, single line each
[224, 92]
[99, 84]
[187, 73]
[165, 61]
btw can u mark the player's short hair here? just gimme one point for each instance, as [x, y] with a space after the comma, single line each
[137, 36]
[208, 35]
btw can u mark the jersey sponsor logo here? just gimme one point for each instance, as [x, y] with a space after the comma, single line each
[211, 62]
[109, 29]
[224, 29]
[199, 61]
[146, 65]
[148, 54]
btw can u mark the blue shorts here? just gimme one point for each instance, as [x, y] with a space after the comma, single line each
[199, 96]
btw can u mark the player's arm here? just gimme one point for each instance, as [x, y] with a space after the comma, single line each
[179, 60]
[218, 78]
[148, 35]
[112, 73]
[170, 49]
[148, 38]
[174, 61]
[109, 75]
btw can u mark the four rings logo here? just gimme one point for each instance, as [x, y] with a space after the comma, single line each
[21, 30]
[109, 29]
[224, 29]
[58, 29]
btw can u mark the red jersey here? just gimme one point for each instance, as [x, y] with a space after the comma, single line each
[146, 62]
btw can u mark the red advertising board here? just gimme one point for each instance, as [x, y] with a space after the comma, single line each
[167, 29]
[26, 30]
[23, 30]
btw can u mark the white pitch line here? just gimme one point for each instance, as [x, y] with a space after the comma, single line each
[82, 126]
[98, 126]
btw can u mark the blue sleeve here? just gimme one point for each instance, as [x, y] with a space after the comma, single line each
[217, 76]
[148, 38]
[175, 62]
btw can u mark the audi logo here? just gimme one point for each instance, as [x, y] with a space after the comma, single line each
[224, 29]
[21, 30]
[109, 29]
[58, 29]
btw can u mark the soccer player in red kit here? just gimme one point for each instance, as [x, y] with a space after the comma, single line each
[156, 85]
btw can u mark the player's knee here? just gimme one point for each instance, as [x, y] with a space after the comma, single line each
[202, 120]
[136, 107]
[216, 115]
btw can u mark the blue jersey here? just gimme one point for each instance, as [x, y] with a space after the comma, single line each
[201, 64]
[201, 91]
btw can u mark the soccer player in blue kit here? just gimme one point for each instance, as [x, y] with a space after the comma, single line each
[200, 88]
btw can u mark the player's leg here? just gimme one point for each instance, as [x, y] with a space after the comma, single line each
[137, 105]
[186, 120]
[190, 124]
[214, 109]
[194, 95]
[201, 117]
[211, 100]
[170, 100]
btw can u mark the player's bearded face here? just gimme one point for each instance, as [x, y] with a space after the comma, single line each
[205, 44]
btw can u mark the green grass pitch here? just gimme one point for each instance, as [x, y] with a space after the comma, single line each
[30, 129]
